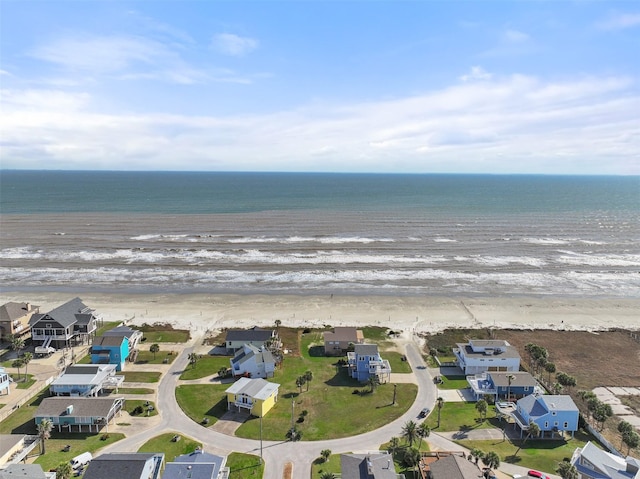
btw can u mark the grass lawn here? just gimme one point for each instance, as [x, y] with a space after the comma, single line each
[319, 466]
[543, 455]
[21, 382]
[453, 382]
[131, 404]
[396, 362]
[79, 443]
[21, 420]
[171, 449]
[206, 366]
[203, 400]
[106, 327]
[135, 391]
[140, 376]
[244, 466]
[162, 357]
[460, 416]
[168, 336]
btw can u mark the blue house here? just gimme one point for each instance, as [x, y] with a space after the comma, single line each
[499, 384]
[552, 413]
[110, 350]
[5, 381]
[365, 362]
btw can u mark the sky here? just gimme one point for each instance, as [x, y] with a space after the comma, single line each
[403, 86]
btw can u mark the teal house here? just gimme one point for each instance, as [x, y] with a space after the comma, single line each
[110, 350]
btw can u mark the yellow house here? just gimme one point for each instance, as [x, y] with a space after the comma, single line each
[255, 395]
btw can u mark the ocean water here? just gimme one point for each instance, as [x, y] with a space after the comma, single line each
[292, 233]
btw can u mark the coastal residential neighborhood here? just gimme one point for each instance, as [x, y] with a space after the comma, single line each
[84, 397]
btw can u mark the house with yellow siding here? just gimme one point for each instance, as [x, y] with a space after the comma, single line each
[256, 396]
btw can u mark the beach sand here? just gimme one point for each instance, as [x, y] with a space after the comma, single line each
[202, 313]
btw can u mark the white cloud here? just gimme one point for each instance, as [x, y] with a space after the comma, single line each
[515, 36]
[512, 124]
[476, 73]
[620, 21]
[234, 45]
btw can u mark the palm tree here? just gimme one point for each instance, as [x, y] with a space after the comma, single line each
[510, 378]
[222, 372]
[193, 359]
[550, 368]
[327, 475]
[477, 454]
[372, 382]
[325, 453]
[491, 460]
[481, 407]
[26, 359]
[44, 433]
[308, 376]
[624, 428]
[300, 380]
[632, 440]
[394, 445]
[16, 344]
[567, 470]
[423, 431]
[155, 347]
[64, 470]
[411, 457]
[534, 430]
[17, 363]
[439, 405]
[557, 388]
[410, 432]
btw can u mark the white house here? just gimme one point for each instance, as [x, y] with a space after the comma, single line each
[481, 355]
[594, 463]
[253, 362]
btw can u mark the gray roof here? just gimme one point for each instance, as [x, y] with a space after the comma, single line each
[123, 331]
[249, 351]
[66, 314]
[253, 334]
[342, 333]
[613, 466]
[454, 467]
[520, 378]
[82, 407]
[23, 471]
[509, 351]
[81, 374]
[197, 465]
[12, 311]
[108, 340]
[120, 465]
[366, 349]
[367, 466]
[256, 388]
[537, 406]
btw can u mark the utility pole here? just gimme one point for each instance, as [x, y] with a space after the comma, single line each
[261, 460]
[292, 406]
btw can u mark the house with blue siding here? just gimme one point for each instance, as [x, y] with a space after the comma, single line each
[5, 381]
[365, 362]
[110, 350]
[552, 413]
[514, 384]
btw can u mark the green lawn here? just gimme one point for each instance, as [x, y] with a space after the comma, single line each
[319, 466]
[131, 404]
[21, 420]
[140, 376]
[106, 327]
[79, 443]
[543, 455]
[171, 449]
[396, 362]
[460, 416]
[206, 366]
[203, 400]
[453, 382]
[244, 466]
[162, 357]
[21, 382]
[135, 391]
[168, 336]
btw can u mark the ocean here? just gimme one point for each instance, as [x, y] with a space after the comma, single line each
[296, 233]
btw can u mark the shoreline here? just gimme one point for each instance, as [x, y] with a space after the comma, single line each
[202, 312]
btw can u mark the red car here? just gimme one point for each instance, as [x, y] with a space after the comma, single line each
[537, 474]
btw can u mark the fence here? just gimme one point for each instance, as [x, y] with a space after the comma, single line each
[26, 398]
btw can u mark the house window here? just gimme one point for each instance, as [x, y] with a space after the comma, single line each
[526, 388]
[555, 423]
[546, 424]
[554, 413]
[566, 425]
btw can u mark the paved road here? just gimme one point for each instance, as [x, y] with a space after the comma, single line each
[277, 453]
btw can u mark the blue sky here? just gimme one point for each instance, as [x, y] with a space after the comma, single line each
[347, 86]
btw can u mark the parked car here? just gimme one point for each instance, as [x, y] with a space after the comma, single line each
[537, 474]
[424, 412]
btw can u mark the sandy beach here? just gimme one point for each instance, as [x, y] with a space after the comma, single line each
[203, 312]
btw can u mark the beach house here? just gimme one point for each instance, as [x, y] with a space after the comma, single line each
[481, 355]
[454, 466]
[67, 325]
[236, 338]
[110, 350]
[14, 319]
[594, 463]
[134, 336]
[25, 471]
[503, 385]
[197, 465]
[87, 380]
[73, 414]
[253, 362]
[338, 341]
[125, 465]
[5, 381]
[552, 413]
[374, 465]
[365, 362]
[255, 396]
